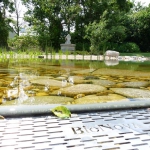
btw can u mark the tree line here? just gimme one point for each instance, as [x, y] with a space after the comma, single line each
[94, 26]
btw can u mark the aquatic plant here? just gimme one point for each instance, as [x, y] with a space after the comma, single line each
[60, 54]
[74, 53]
[67, 53]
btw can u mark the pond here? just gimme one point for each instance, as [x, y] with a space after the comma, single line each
[25, 82]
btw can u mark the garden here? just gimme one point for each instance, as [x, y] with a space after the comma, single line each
[78, 99]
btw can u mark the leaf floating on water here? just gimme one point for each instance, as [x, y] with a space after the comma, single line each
[61, 112]
[1, 117]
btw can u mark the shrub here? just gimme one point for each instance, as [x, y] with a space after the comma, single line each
[123, 48]
[23, 42]
[129, 48]
[83, 46]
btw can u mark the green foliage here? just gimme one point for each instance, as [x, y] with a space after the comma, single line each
[108, 30]
[7, 4]
[50, 17]
[44, 17]
[61, 112]
[139, 28]
[81, 53]
[97, 24]
[69, 11]
[120, 29]
[83, 46]
[3, 32]
[129, 48]
[4, 22]
[23, 42]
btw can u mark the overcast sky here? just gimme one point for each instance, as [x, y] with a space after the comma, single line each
[144, 1]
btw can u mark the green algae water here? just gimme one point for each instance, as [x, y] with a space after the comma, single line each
[72, 82]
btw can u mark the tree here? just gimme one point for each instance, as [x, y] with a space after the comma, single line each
[16, 21]
[4, 22]
[103, 19]
[110, 30]
[90, 12]
[139, 28]
[69, 11]
[44, 17]
[3, 32]
[52, 20]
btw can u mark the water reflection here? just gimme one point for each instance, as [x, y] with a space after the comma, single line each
[74, 82]
[16, 89]
[64, 83]
[115, 61]
[111, 62]
[71, 80]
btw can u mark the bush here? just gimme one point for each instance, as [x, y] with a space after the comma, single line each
[83, 46]
[123, 48]
[129, 48]
[23, 42]
[81, 52]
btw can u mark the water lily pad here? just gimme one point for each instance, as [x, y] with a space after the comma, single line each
[61, 112]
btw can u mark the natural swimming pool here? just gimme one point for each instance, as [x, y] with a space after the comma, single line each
[22, 82]
[72, 82]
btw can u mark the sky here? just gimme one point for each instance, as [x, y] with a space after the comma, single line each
[144, 1]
